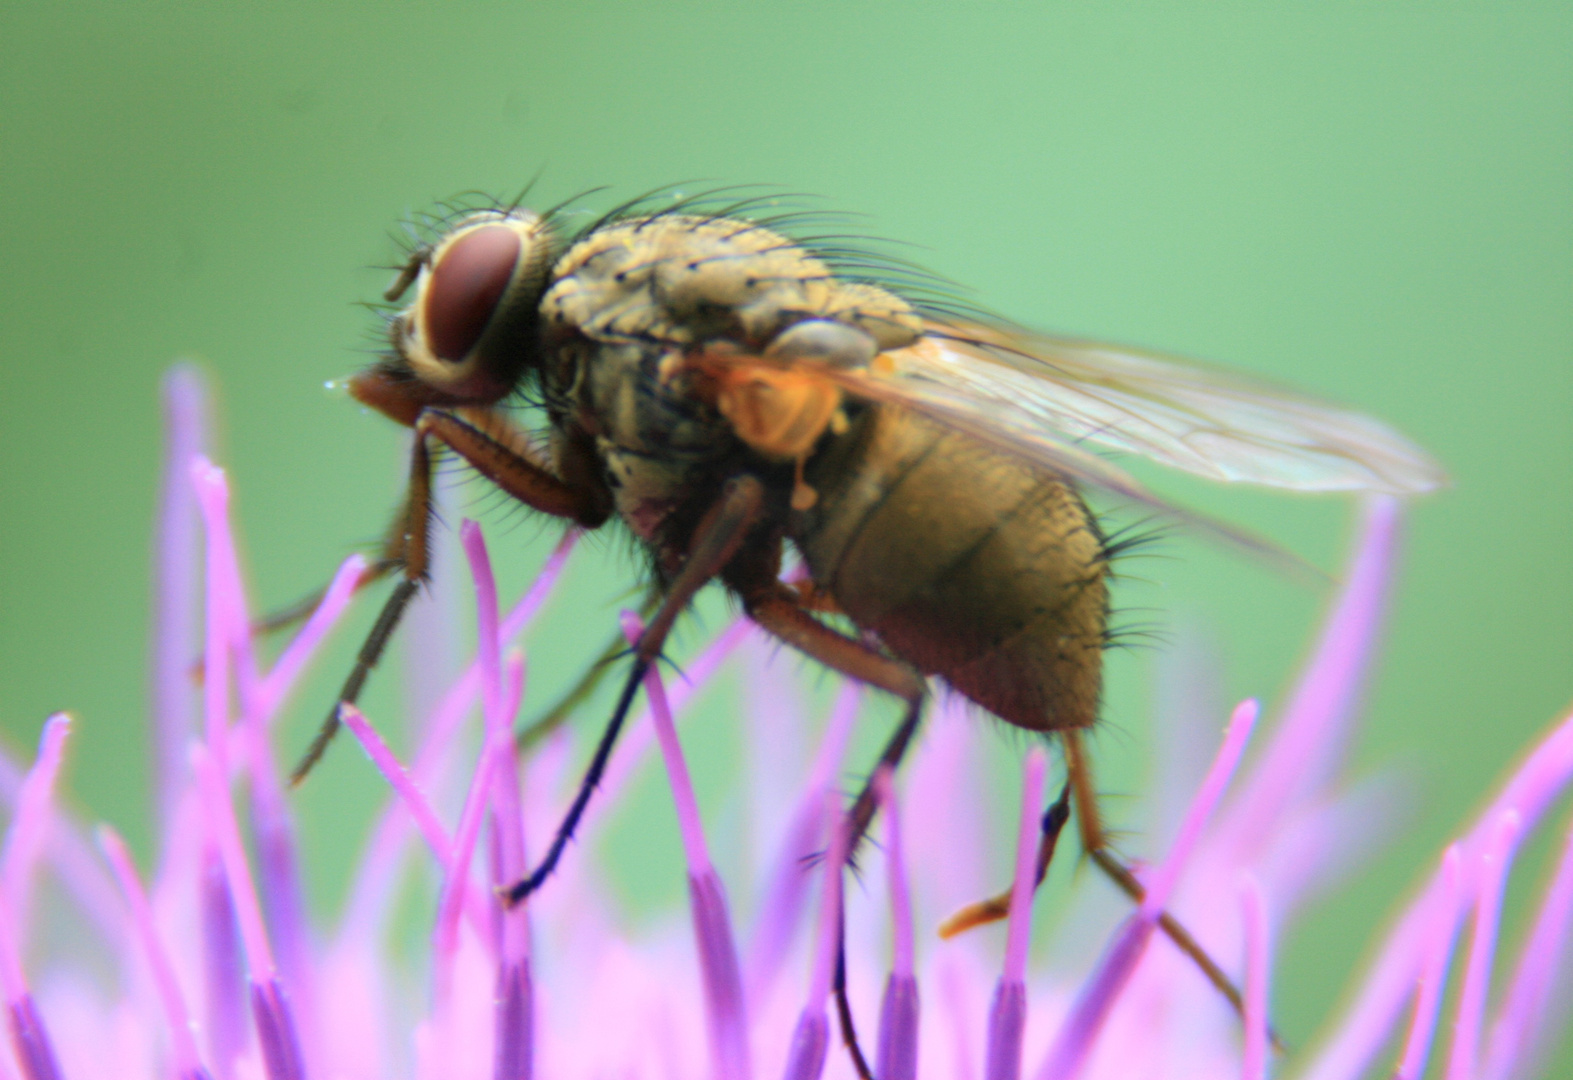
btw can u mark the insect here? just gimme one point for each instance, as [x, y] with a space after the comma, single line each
[727, 392]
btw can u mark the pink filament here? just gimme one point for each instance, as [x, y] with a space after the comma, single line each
[1024, 882]
[372, 881]
[12, 980]
[487, 646]
[689, 823]
[1201, 808]
[1490, 880]
[1311, 735]
[499, 707]
[1523, 1010]
[414, 800]
[398, 777]
[1441, 935]
[445, 935]
[174, 1004]
[1367, 1021]
[1258, 963]
[280, 679]
[30, 828]
[829, 910]
[896, 870]
[787, 886]
[213, 498]
[640, 731]
[176, 582]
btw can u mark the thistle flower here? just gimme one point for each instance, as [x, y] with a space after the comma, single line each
[219, 974]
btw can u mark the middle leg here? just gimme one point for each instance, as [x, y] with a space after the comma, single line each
[717, 539]
[782, 612]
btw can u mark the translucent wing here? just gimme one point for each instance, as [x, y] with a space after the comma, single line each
[1054, 400]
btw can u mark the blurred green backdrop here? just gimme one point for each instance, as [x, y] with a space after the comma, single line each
[1372, 202]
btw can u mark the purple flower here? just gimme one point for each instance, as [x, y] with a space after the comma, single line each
[212, 970]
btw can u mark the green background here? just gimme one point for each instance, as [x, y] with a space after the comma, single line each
[1372, 202]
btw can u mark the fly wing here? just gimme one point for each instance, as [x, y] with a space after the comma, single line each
[1054, 400]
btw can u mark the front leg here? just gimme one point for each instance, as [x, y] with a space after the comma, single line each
[484, 438]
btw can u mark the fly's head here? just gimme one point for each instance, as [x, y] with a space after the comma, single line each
[471, 331]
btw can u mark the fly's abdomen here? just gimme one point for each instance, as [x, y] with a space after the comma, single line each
[967, 563]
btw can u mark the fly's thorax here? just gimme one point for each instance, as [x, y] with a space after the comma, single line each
[635, 308]
[684, 281]
[968, 563]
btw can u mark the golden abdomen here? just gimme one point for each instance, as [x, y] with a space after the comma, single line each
[969, 564]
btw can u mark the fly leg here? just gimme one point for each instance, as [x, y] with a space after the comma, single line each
[997, 907]
[484, 439]
[717, 538]
[784, 615]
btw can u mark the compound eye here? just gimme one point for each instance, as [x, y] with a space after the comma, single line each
[467, 282]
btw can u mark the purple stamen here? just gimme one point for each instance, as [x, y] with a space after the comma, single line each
[811, 1037]
[276, 1031]
[225, 835]
[1441, 934]
[896, 1055]
[30, 1040]
[1522, 1014]
[513, 1057]
[1490, 880]
[176, 581]
[725, 1011]
[183, 1044]
[1008, 1013]
[30, 828]
[221, 966]
[1253, 908]
[1098, 995]
[279, 869]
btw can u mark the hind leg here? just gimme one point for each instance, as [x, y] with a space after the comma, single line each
[1095, 843]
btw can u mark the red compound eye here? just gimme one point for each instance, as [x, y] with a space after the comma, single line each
[466, 283]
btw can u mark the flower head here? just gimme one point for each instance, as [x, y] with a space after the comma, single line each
[218, 972]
